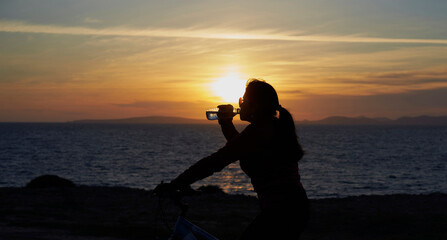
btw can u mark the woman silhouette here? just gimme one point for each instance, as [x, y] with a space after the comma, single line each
[268, 151]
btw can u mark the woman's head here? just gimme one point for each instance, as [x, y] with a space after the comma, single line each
[260, 101]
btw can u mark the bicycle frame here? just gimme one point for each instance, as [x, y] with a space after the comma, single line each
[184, 229]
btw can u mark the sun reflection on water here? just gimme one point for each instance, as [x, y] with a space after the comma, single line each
[232, 180]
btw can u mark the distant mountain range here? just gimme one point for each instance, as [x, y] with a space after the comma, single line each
[420, 120]
[147, 120]
[336, 120]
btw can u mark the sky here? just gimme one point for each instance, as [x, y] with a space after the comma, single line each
[69, 60]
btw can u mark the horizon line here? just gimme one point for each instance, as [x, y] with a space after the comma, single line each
[206, 121]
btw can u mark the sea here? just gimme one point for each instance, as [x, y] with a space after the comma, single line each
[339, 161]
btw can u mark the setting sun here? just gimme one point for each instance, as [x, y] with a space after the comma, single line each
[229, 87]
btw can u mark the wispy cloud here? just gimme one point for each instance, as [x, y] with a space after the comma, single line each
[17, 26]
[410, 103]
[404, 78]
[165, 104]
[91, 20]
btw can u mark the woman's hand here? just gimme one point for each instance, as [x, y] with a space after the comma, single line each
[225, 113]
[165, 190]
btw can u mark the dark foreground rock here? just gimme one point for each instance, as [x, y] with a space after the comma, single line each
[123, 213]
[50, 181]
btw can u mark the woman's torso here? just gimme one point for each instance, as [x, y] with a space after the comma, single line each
[272, 165]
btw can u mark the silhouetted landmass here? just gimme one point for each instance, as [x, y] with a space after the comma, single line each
[426, 120]
[338, 120]
[147, 120]
[50, 181]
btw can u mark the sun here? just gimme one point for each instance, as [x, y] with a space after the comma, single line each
[229, 87]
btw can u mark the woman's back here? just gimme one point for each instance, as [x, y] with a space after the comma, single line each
[270, 161]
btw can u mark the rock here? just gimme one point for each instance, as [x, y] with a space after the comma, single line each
[48, 181]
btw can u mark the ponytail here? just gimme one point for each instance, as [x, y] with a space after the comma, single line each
[288, 128]
[264, 97]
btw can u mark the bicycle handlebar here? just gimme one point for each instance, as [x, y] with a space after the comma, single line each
[163, 190]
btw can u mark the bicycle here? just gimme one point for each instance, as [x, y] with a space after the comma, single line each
[184, 229]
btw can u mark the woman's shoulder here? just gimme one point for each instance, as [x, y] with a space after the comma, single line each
[266, 124]
[261, 128]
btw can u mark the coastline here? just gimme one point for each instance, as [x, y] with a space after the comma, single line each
[86, 212]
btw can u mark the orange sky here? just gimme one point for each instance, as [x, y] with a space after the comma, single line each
[62, 61]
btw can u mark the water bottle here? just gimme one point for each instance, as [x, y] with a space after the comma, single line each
[211, 114]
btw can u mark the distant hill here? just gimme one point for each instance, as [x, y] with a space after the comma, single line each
[146, 120]
[426, 120]
[338, 120]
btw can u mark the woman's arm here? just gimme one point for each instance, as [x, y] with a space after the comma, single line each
[203, 168]
[228, 129]
[244, 143]
[226, 115]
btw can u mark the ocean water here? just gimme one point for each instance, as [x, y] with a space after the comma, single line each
[340, 160]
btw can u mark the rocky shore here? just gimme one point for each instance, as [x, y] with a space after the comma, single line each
[84, 212]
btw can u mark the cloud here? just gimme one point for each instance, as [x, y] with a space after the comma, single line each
[17, 26]
[403, 78]
[410, 103]
[146, 104]
[91, 20]
[292, 92]
[364, 83]
[165, 104]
